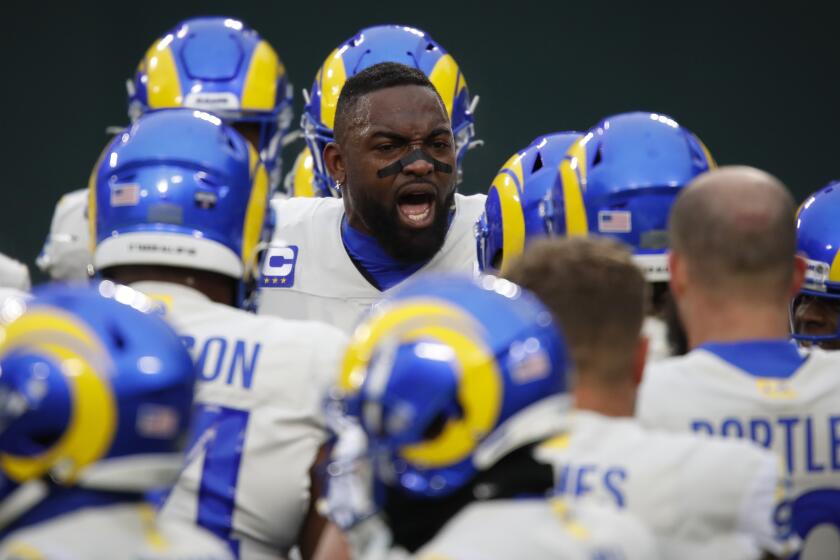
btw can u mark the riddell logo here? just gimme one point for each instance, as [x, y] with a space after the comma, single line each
[155, 248]
[211, 100]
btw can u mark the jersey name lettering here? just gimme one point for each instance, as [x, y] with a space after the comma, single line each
[219, 358]
[819, 438]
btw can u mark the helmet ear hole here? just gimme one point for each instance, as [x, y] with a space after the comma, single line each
[435, 427]
[599, 156]
[116, 336]
[538, 163]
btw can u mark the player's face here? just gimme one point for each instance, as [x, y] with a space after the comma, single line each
[815, 316]
[406, 211]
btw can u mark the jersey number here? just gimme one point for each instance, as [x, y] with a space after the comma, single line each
[809, 511]
[221, 432]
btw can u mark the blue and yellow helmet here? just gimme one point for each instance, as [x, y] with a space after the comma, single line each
[818, 242]
[222, 66]
[441, 364]
[370, 46]
[301, 179]
[89, 374]
[179, 188]
[513, 212]
[621, 178]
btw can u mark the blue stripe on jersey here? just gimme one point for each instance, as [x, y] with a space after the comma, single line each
[222, 431]
[776, 358]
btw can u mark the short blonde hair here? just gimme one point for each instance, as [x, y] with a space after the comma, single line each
[597, 294]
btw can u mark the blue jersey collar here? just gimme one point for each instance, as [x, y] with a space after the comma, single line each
[381, 269]
[776, 358]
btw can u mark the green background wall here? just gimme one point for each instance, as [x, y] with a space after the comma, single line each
[757, 81]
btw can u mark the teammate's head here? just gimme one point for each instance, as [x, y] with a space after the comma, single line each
[182, 190]
[596, 291]
[621, 179]
[219, 65]
[514, 210]
[371, 46]
[92, 374]
[733, 237]
[66, 253]
[431, 373]
[815, 311]
[395, 157]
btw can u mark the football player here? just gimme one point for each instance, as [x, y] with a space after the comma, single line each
[178, 204]
[395, 156]
[95, 402]
[815, 311]
[66, 253]
[453, 382]
[515, 207]
[620, 180]
[372, 45]
[701, 498]
[734, 271]
[223, 66]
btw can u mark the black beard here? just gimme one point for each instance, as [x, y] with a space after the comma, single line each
[405, 245]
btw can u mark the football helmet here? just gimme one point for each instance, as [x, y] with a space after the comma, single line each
[438, 367]
[66, 253]
[219, 65]
[301, 179]
[179, 188]
[513, 212]
[92, 380]
[370, 46]
[818, 241]
[621, 178]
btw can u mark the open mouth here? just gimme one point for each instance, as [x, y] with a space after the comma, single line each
[416, 207]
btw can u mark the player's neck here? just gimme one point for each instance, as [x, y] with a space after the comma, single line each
[734, 321]
[617, 402]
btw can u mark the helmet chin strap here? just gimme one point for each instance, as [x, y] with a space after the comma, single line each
[134, 473]
[408, 159]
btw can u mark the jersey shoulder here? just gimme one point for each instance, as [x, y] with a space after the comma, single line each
[120, 531]
[291, 212]
[540, 529]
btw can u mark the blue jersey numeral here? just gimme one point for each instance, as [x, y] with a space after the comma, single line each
[220, 431]
[818, 507]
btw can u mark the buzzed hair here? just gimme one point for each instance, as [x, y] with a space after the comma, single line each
[377, 77]
[596, 292]
[735, 228]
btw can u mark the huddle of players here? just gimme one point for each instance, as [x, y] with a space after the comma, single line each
[458, 427]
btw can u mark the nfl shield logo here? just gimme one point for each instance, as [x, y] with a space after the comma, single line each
[278, 269]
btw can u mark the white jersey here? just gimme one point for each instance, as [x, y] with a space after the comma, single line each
[258, 424]
[13, 274]
[66, 254]
[694, 493]
[798, 417]
[307, 273]
[540, 530]
[656, 332]
[120, 532]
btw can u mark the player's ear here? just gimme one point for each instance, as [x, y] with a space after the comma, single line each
[799, 268]
[334, 160]
[640, 359]
[678, 273]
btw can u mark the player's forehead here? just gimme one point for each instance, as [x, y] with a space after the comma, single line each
[404, 110]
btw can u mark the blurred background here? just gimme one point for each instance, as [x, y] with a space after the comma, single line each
[757, 81]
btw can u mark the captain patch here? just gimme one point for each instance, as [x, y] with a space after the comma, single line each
[278, 270]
